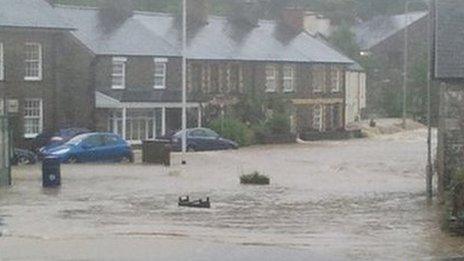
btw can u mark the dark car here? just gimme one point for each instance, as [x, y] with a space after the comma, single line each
[53, 139]
[92, 147]
[202, 139]
[23, 157]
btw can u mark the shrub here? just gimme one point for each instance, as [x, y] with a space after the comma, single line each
[279, 123]
[233, 129]
[255, 178]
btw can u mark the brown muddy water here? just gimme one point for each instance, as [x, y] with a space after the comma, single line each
[357, 199]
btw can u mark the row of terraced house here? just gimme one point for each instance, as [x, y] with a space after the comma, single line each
[65, 66]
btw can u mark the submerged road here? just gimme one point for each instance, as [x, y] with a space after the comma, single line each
[356, 199]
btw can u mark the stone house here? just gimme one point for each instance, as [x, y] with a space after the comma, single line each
[448, 68]
[136, 70]
[381, 40]
[34, 82]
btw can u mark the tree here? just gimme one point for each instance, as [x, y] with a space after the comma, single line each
[344, 39]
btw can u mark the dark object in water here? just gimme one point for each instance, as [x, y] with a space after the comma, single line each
[255, 178]
[185, 202]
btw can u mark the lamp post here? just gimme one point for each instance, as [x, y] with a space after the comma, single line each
[429, 167]
[184, 81]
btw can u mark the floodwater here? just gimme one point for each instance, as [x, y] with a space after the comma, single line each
[356, 199]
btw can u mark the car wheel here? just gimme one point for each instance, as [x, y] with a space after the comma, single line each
[127, 159]
[23, 160]
[72, 160]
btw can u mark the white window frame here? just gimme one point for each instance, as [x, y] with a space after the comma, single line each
[320, 69]
[338, 77]
[289, 78]
[118, 61]
[31, 135]
[271, 78]
[319, 123]
[163, 63]
[39, 61]
[2, 63]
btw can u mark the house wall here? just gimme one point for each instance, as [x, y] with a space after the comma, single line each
[75, 82]
[450, 151]
[65, 83]
[386, 74]
[303, 98]
[355, 96]
[139, 77]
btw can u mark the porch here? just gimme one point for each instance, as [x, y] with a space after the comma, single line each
[137, 121]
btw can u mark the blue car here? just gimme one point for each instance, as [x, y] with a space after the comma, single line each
[202, 139]
[91, 147]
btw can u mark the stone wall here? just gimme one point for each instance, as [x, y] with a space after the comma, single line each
[450, 155]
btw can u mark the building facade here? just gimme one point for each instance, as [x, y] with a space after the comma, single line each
[136, 71]
[32, 76]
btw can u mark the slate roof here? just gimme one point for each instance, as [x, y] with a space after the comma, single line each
[449, 39]
[131, 38]
[380, 28]
[30, 14]
[156, 34]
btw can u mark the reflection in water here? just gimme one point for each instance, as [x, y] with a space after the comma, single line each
[358, 199]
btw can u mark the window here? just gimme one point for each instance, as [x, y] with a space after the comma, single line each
[33, 62]
[2, 70]
[289, 78]
[160, 73]
[319, 78]
[141, 124]
[317, 117]
[336, 79]
[94, 141]
[271, 78]
[118, 75]
[32, 117]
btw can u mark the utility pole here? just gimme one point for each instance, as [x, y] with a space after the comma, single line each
[429, 167]
[184, 81]
[405, 62]
[429, 171]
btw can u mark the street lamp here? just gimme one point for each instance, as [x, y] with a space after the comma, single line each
[429, 168]
[184, 80]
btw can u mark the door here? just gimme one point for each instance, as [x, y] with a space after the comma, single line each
[112, 149]
[91, 148]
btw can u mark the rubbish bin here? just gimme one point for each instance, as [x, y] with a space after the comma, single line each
[156, 152]
[51, 172]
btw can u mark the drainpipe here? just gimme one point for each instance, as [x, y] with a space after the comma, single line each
[91, 92]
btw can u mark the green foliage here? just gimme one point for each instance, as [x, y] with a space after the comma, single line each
[279, 123]
[344, 39]
[234, 129]
[255, 178]
[250, 108]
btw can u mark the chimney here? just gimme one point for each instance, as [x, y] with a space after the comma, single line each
[245, 12]
[51, 2]
[114, 12]
[197, 12]
[301, 20]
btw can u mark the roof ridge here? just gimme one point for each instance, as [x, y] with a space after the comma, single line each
[76, 7]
